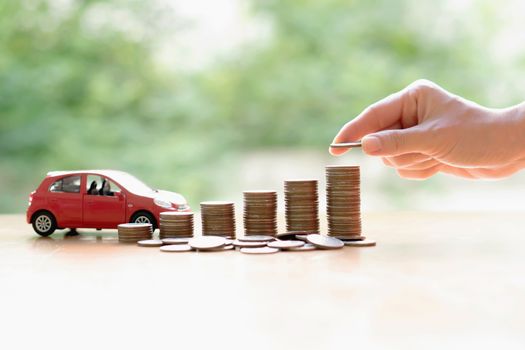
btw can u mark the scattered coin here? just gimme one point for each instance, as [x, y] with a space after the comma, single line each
[285, 244]
[254, 244]
[364, 243]
[150, 243]
[302, 238]
[304, 248]
[286, 236]
[256, 238]
[226, 247]
[181, 240]
[325, 242]
[175, 248]
[207, 242]
[264, 250]
[350, 238]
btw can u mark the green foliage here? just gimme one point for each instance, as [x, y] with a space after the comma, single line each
[80, 92]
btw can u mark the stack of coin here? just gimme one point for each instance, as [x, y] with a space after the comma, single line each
[302, 205]
[218, 219]
[175, 224]
[132, 233]
[260, 213]
[343, 200]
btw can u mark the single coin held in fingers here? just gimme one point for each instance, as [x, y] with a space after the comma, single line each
[346, 144]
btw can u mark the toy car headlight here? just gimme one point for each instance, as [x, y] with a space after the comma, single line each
[182, 206]
[162, 203]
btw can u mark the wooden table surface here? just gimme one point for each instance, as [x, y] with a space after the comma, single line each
[434, 281]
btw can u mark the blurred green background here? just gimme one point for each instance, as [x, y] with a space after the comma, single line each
[188, 95]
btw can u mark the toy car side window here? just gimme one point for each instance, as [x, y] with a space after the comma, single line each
[93, 184]
[113, 187]
[108, 188]
[70, 184]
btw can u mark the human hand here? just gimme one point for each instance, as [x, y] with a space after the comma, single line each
[424, 129]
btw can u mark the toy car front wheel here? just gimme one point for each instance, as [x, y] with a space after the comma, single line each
[44, 224]
[143, 217]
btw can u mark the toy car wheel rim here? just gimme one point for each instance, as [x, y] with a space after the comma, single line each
[43, 223]
[142, 220]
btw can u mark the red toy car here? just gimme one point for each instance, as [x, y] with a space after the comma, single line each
[96, 199]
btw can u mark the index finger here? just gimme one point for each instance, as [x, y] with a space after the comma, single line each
[384, 114]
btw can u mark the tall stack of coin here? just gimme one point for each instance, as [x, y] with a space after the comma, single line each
[218, 218]
[132, 233]
[175, 224]
[302, 205]
[343, 201]
[260, 213]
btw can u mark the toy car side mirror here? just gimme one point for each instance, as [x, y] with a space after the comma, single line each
[119, 195]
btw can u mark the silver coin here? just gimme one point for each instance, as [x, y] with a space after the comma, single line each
[207, 242]
[227, 237]
[256, 238]
[226, 247]
[175, 248]
[285, 244]
[241, 244]
[134, 225]
[350, 238]
[364, 243]
[263, 250]
[346, 144]
[181, 240]
[325, 242]
[302, 237]
[286, 236]
[128, 241]
[150, 243]
[306, 247]
[217, 203]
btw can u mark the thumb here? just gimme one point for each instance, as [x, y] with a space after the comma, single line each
[395, 142]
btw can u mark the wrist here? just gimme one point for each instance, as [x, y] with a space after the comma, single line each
[516, 133]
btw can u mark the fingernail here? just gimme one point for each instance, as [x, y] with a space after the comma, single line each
[371, 145]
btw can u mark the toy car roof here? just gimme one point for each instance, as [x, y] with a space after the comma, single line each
[104, 172]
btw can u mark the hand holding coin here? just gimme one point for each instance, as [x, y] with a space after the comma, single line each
[424, 129]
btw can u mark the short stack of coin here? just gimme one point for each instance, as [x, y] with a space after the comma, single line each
[134, 232]
[260, 213]
[302, 205]
[175, 224]
[218, 219]
[343, 200]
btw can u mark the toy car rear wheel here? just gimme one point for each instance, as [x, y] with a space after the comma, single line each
[44, 223]
[143, 217]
